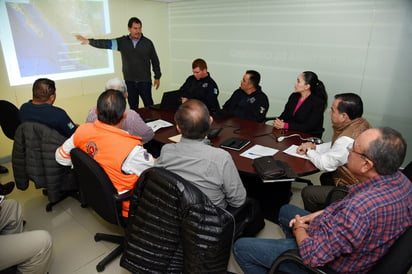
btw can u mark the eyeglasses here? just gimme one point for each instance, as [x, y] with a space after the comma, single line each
[351, 150]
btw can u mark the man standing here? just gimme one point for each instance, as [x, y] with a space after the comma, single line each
[347, 122]
[138, 53]
[40, 109]
[201, 86]
[247, 102]
[120, 154]
[350, 235]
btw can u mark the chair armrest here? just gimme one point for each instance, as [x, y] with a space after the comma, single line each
[338, 193]
[270, 118]
[292, 256]
[123, 197]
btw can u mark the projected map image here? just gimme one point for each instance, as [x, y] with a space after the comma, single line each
[38, 40]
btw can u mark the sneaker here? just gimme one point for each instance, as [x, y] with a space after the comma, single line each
[6, 188]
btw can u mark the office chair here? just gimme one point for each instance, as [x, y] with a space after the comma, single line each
[174, 228]
[98, 193]
[9, 118]
[33, 159]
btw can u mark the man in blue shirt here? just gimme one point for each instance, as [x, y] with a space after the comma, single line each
[40, 109]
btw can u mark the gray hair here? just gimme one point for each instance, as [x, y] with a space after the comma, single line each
[116, 84]
[387, 151]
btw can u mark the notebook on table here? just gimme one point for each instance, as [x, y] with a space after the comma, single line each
[170, 100]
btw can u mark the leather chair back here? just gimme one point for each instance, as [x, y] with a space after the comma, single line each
[173, 228]
[95, 187]
[9, 118]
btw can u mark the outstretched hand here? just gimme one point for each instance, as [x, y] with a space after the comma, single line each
[82, 39]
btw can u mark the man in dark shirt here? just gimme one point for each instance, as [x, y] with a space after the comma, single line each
[247, 102]
[201, 86]
[137, 53]
[40, 109]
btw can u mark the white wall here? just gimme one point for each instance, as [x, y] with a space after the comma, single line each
[353, 46]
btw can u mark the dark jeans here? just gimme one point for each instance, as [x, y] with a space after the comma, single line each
[256, 255]
[136, 89]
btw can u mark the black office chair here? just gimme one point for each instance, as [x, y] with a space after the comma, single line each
[175, 228]
[98, 192]
[9, 118]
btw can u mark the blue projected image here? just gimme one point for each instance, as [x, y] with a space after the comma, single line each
[38, 39]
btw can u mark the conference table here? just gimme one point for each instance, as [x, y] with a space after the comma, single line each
[271, 196]
[257, 133]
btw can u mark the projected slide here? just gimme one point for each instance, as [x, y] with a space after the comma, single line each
[38, 40]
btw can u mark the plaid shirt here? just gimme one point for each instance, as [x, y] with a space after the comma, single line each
[354, 233]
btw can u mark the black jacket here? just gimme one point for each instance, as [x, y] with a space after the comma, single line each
[204, 89]
[33, 158]
[309, 116]
[174, 228]
[135, 60]
[251, 107]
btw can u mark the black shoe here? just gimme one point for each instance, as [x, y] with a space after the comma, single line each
[6, 188]
[3, 169]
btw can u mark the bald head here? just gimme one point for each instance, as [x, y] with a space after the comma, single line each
[193, 119]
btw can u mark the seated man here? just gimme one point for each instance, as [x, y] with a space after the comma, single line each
[247, 102]
[347, 122]
[120, 154]
[211, 169]
[40, 109]
[201, 86]
[352, 234]
[29, 251]
[133, 123]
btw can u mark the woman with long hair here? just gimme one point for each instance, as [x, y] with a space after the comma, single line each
[304, 110]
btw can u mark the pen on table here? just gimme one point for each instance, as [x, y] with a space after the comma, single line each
[255, 154]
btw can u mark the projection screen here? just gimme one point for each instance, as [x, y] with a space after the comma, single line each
[37, 38]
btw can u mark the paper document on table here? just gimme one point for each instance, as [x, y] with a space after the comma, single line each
[157, 124]
[258, 151]
[292, 151]
[176, 138]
